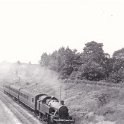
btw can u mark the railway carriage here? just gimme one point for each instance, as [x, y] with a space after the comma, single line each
[14, 91]
[6, 89]
[29, 99]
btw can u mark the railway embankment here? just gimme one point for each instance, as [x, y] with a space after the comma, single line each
[88, 103]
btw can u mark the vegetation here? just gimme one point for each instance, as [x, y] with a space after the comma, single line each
[91, 64]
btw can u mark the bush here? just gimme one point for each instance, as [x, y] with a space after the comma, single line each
[91, 71]
[115, 77]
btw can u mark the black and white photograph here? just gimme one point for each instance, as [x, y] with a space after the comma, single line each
[61, 62]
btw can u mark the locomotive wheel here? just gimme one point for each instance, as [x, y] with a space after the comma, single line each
[49, 120]
[40, 116]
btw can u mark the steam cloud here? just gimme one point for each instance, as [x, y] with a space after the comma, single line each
[31, 74]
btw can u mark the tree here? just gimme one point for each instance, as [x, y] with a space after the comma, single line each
[44, 59]
[93, 61]
[117, 73]
[18, 62]
[93, 51]
[70, 60]
[119, 54]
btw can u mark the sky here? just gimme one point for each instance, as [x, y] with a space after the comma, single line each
[29, 28]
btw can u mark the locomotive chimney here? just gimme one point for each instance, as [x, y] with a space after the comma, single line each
[62, 102]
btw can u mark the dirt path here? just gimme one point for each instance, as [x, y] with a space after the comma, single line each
[6, 116]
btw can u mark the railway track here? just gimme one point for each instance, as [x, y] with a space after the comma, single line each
[23, 115]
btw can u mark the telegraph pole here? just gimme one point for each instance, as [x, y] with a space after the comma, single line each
[60, 92]
[17, 71]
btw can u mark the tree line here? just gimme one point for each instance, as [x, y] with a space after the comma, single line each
[91, 64]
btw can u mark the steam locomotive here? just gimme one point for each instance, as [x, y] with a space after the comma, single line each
[47, 108]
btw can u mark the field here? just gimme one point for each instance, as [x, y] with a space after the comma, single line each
[88, 103]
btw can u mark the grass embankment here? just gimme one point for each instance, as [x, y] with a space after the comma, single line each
[95, 103]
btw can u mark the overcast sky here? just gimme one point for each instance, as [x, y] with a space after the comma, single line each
[30, 27]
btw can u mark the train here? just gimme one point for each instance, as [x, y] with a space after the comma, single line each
[47, 108]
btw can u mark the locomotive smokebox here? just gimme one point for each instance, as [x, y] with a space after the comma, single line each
[63, 112]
